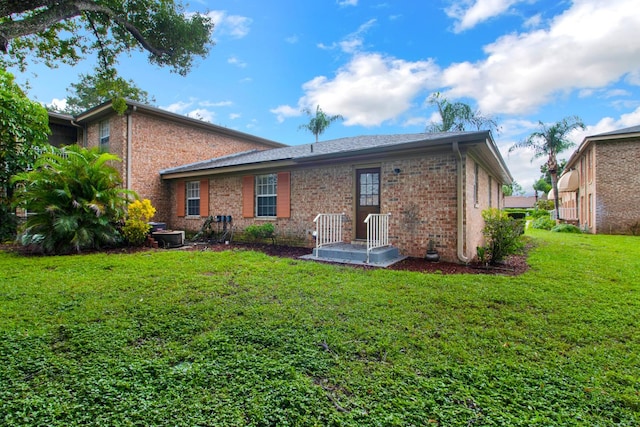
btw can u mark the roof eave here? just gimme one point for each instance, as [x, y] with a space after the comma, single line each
[106, 109]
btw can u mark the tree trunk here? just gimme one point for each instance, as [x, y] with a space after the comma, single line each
[554, 185]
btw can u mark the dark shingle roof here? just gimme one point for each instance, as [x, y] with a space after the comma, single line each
[346, 146]
[632, 129]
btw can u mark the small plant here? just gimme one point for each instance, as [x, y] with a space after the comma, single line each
[502, 234]
[566, 228]
[259, 232]
[481, 252]
[136, 226]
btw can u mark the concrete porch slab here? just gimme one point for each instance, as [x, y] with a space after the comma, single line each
[346, 253]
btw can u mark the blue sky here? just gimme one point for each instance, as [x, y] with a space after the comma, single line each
[376, 63]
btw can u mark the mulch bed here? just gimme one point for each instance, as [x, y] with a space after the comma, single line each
[513, 266]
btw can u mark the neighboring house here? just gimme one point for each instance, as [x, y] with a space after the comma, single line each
[64, 131]
[599, 188]
[149, 139]
[434, 186]
[519, 202]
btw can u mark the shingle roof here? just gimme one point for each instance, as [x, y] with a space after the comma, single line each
[632, 129]
[346, 146]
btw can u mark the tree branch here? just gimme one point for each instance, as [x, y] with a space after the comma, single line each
[57, 11]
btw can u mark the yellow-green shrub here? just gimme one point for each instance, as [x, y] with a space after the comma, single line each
[136, 227]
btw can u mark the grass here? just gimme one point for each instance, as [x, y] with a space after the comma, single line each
[240, 338]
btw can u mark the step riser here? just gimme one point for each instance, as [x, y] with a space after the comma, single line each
[379, 255]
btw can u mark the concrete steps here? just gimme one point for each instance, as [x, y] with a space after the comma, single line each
[348, 253]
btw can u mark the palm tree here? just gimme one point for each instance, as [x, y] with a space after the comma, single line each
[74, 198]
[548, 142]
[320, 122]
[457, 116]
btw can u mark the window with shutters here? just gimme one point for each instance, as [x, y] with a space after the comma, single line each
[193, 198]
[266, 195]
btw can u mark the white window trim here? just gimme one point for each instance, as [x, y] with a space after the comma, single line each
[192, 192]
[259, 195]
[104, 135]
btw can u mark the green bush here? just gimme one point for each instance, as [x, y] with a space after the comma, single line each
[545, 205]
[502, 234]
[259, 232]
[543, 223]
[539, 213]
[566, 228]
[75, 200]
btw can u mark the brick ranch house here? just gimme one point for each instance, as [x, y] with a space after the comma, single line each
[599, 188]
[434, 186]
[149, 139]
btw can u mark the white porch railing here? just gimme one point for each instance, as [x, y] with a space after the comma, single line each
[328, 229]
[377, 231]
[570, 214]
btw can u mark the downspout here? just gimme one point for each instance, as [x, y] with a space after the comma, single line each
[461, 255]
[129, 149]
[84, 132]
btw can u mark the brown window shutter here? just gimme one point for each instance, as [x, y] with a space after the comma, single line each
[283, 207]
[204, 197]
[247, 197]
[180, 198]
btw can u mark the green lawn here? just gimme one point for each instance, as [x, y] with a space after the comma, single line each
[240, 338]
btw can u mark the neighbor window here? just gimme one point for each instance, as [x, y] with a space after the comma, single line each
[490, 189]
[193, 198]
[104, 136]
[266, 195]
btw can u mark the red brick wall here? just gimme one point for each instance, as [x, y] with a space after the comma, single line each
[159, 144]
[617, 186]
[421, 198]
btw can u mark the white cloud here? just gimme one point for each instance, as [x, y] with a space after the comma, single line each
[178, 107]
[202, 114]
[343, 3]
[352, 42]
[234, 60]
[468, 14]
[58, 104]
[583, 48]
[283, 112]
[234, 116]
[608, 124]
[215, 104]
[233, 25]
[370, 89]
[292, 39]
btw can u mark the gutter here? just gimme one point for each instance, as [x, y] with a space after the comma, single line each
[460, 249]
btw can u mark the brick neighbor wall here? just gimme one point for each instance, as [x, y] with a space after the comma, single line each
[160, 144]
[617, 184]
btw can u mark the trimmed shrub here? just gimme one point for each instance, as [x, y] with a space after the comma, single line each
[540, 213]
[259, 232]
[543, 223]
[136, 227]
[502, 235]
[566, 228]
